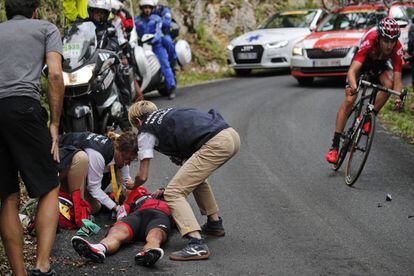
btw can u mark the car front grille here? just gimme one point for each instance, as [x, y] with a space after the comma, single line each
[321, 54]
[258, 49]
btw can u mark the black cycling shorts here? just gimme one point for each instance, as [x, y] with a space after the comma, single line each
[25, 144]
[375, 68]
[141, 222]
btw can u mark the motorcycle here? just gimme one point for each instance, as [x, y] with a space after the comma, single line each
[91, 100]
[148, 67]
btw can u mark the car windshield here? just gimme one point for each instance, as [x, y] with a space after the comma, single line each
[351, 21]
[79, 44]
[293, 19]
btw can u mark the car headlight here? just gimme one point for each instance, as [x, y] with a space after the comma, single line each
[278, 44]
[230, 47]
[297, 51]
[79, 77]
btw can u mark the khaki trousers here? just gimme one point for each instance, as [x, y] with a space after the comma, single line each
[192, 177]
[74, 177]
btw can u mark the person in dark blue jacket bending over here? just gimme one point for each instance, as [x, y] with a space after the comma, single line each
[148, 23]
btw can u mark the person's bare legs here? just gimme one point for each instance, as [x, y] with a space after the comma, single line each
[343, 112]
[117, 235]
[155, 238]
[46, 223]
[12, 233]
[382, 97]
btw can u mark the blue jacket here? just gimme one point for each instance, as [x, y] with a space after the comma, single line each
[165, 14]
[149, 25]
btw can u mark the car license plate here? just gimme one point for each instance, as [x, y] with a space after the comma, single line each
[247, 55]
[327, 63]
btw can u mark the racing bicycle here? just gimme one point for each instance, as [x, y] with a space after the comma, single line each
[359, 129]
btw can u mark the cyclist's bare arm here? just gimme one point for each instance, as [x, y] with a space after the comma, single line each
[352, 73]
[397, 85]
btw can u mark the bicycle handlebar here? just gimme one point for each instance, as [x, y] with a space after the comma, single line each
[382, 88]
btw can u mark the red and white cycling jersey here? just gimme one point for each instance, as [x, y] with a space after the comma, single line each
[370, 49]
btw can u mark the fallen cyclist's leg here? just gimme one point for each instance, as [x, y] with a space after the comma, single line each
[117, 235]
[152, 251]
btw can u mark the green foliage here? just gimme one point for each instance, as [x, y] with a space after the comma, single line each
[211, 48]
[225, 12]
[194, 77]
[400, 123]
[2, 11]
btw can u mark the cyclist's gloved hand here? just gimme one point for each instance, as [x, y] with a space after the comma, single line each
[398, 105]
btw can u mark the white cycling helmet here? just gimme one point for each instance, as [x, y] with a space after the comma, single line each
[147, 3]
[100, 4]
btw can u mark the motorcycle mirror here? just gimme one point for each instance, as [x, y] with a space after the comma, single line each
[147, 37]
[402, 23]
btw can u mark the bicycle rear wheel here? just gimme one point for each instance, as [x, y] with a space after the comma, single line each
[359, 149]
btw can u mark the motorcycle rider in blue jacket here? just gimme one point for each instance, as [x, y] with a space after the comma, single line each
[148, 23]
[165, 13]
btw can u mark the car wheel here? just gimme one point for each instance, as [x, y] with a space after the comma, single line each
[305, 81]
[242, 72]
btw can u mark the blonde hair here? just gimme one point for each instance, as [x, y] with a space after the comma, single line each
[140, 110]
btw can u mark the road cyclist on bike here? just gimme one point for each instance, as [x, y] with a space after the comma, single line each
[380, 54]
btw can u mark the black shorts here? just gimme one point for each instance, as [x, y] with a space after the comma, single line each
[375, 68]
[25, 144]
[141, 222]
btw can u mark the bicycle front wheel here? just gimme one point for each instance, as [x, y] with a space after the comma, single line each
[346, 137]
[359, 149]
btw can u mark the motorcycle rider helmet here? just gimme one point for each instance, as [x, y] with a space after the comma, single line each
[116, 5]
[102, 6]
[388, 28]
[150, 3]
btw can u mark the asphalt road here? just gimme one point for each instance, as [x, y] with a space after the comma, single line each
[285, 211]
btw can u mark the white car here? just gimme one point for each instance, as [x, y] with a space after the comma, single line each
[271, 45]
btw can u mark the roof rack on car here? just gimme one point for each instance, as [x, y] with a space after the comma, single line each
[337, 4]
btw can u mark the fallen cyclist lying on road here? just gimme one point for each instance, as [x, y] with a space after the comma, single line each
[143, 217]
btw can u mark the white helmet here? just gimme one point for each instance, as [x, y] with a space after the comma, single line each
[147, 3]
[100, 4]
[116, 5]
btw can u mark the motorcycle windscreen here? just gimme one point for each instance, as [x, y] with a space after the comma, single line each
[79, 45]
